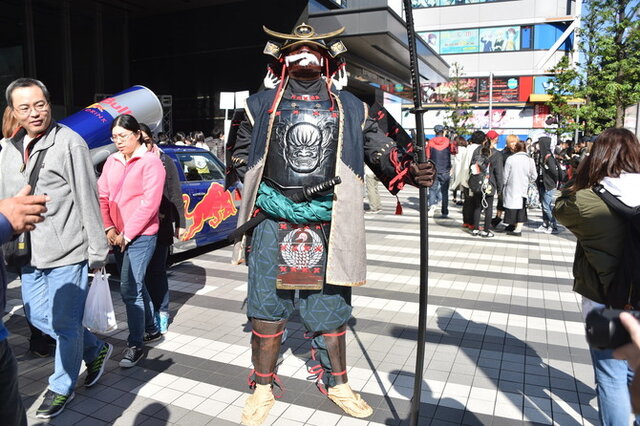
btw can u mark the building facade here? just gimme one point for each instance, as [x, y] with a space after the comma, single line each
[506, 49]
[188, 52]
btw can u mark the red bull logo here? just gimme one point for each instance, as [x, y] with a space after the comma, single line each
[98, 109]
[215, 207]
[113, 103]
[97, 106]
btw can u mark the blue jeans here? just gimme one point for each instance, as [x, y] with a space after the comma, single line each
[546, 199]
[133, 267]
[440, 191]
[612, 380]
[54, 301]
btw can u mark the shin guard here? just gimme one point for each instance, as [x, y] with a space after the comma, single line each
[265, 346]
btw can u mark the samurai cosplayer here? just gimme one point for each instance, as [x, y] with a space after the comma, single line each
[302, 137]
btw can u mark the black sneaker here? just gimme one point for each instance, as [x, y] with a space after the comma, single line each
[131, 357]
[95, 368]
[40, 348]
[53, 404]
[496, 221]
[152, 337]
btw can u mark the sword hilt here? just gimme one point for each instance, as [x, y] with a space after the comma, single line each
[308, 192]
[305, 193]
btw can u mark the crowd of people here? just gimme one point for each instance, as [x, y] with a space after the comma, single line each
[213, 143]
[523, 175]
[561, 179]
[135, 208]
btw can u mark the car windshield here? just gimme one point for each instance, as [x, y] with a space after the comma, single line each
[200, 166]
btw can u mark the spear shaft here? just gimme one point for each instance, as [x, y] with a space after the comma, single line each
[418, 111]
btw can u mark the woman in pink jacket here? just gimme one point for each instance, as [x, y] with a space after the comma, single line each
[130, 190]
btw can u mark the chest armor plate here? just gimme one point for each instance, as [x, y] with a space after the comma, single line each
[303, 144]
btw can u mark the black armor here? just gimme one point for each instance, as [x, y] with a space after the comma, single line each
[303, 144]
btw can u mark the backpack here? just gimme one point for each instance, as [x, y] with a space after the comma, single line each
[563, 175]
[624, 292]
[479, 176]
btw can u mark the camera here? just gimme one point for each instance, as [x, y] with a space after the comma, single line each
[604, 329]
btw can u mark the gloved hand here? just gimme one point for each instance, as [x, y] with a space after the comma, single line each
[424, 174]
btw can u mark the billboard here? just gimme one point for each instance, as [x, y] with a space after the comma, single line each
[499, 39]
[441, 92]
[474, 40]
[419, 4]
[498, 118]
[505, 89]
[459, 41]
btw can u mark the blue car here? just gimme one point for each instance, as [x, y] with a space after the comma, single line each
[211, 212]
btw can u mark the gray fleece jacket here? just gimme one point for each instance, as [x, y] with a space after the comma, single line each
[72, 230]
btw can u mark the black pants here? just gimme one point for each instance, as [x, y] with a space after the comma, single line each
[11, 408]
[478, 207]
[467, 207]
[156, 279]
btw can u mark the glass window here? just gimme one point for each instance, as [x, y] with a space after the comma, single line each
[526, 33]
[200, 166]
[419, 4]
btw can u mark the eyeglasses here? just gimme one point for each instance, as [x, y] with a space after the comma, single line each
[25, 110]
[115, 138]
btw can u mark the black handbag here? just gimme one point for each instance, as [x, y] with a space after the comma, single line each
[17, 252]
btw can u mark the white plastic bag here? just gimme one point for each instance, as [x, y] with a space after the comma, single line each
[99, 315]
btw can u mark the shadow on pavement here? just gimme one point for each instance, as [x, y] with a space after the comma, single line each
[539, 385]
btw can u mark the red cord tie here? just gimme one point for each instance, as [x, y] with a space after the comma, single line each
[401, 167]
[318, 372]
[267, 336]
[276, 382]
[342, 333]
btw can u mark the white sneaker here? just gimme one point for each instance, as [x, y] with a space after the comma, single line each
[542, 228]
[432, 211]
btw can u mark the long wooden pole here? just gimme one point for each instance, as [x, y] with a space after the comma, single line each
[424, 223]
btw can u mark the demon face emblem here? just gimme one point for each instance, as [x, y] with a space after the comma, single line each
[303, 147]
[305, 144]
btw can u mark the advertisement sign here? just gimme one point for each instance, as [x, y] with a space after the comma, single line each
[501, 118]
[419, 4]
[459, 41]
[442, 92]
[499, 39]
[542, 84]
[93, 123]
[505, 89]
[473, 40]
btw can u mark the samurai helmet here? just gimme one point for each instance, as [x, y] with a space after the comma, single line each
[304, 34]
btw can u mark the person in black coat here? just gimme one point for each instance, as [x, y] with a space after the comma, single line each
[172, 223]
[547, 184]
[487, 160]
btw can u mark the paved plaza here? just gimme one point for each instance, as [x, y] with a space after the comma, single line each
[505, 338]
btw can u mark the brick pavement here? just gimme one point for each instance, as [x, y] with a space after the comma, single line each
[505, 339]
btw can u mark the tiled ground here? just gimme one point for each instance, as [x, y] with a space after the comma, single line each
[505, 339]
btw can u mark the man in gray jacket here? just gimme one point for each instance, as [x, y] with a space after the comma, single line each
[65, 246]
